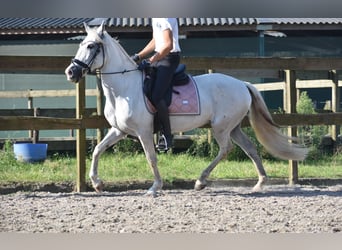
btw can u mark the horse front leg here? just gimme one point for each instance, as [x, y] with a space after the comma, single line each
[113, 136]
[151, 156]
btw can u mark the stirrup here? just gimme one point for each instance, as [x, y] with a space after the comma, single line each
[162, 144]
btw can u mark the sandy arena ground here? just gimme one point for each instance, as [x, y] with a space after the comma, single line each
[278, 208]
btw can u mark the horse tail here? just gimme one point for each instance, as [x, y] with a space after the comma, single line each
[269, 134]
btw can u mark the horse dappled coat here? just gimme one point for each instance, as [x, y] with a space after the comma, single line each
[224, 102]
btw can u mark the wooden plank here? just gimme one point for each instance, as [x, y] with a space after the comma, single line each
[80, 137]
[309, 84]
[251, 73]
[98, 122]
[44, 93]
[56, 113]
[38, 123]
[99, 106]
[298, 63]
[57, 65]
[270, 86]
[335, 103]
[8, 123]
[290, 99]
[307, 119]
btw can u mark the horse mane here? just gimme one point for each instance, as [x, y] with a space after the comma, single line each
[113, 42]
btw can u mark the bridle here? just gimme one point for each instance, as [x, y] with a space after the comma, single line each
[86, 66]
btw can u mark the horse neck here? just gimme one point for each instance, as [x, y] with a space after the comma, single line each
[118, 61]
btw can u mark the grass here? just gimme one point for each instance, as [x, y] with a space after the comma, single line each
[120, 167]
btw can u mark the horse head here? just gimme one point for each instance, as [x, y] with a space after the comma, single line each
[87, 58]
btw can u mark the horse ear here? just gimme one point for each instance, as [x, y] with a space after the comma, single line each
[86, 27]
[101, 29]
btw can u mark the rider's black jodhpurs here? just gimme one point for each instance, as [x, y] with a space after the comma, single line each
[165, 70]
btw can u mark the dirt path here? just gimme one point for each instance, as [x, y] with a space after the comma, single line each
[217, 209]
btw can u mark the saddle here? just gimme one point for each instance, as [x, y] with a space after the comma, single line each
[179, 78]
[182, 97]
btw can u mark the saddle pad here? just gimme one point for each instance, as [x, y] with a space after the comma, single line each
[185, 100]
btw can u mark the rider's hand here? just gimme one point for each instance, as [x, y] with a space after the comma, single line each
[135, 57]
[144, 64]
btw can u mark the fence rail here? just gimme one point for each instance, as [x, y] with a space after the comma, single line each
[44, 93]
[57, 65]
[22, 120]
[289, 69]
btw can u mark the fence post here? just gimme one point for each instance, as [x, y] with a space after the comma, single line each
[335, 103]
[80, 137]
[209, 134]
[35, 136]
[290, 100]
[30, 106]
[99, 105]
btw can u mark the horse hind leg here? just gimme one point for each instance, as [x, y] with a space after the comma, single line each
[225, 145]
[241, 139]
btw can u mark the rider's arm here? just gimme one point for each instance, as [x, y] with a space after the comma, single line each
[149, 48]
[167, 46]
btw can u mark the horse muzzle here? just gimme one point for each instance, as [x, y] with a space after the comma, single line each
[74, 73]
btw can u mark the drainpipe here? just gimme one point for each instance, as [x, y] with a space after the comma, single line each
[261, 28]
[261, 43]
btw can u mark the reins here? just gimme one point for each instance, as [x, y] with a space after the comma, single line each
[113, 73]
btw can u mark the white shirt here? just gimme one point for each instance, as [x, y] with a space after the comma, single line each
[161, 24]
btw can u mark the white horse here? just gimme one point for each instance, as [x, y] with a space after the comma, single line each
[224, 102]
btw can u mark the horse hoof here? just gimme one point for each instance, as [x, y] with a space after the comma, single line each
[151, 193]
[199, 185]
[257, 188]
[99, 187]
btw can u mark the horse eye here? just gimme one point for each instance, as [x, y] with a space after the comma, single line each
[90, 46]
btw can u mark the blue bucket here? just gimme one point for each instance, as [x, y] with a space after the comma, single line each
[30, 152]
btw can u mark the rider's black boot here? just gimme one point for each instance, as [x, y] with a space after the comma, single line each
[163, 116]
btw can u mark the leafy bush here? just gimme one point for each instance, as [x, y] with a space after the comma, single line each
[202, 148]
[305, 104]
[7, 156]
[128, 145]
[310, 135]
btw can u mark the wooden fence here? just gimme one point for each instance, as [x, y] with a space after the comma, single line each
[289, 69]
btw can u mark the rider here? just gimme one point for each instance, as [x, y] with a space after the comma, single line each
[165, 59]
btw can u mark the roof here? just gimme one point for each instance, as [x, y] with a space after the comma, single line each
[29, 26]
[298, 21]
[20, 23]
[23, 26]
[143, 22]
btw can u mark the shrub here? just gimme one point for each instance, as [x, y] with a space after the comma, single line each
[305, 104]
[128, 145]
[202, 148]
[7, 156]
[310, 135]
